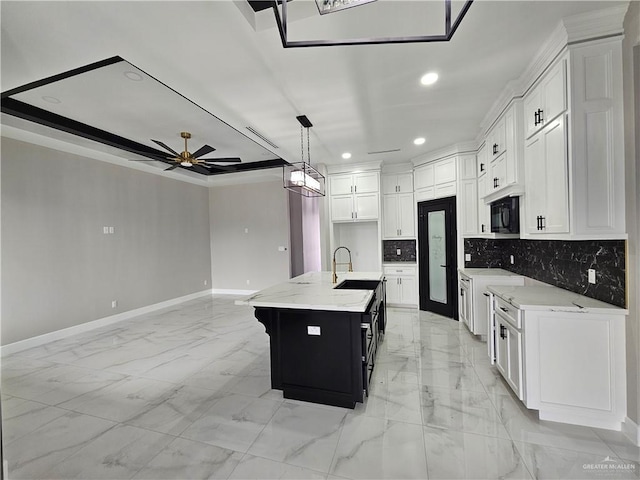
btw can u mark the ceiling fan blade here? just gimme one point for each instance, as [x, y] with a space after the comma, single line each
[203, 150]
[200, 169]
[224, 160]
[169, 149]
[172, 167]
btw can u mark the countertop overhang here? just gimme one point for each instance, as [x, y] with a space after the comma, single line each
[315, 291]
[487, 272]
[552, 298]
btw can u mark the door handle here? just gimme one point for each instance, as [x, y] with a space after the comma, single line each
[444, 266]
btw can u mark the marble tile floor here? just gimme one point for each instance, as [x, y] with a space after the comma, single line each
[184, 393]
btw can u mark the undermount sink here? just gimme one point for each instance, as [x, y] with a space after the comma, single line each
[358, 285]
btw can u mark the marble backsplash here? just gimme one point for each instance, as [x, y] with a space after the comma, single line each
[560, 263]
[407, 250]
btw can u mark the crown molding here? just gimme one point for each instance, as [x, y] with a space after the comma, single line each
[354, 168]
[451, 151]
[598, 24]
[573, 29]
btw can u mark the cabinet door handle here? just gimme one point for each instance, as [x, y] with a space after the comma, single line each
[356, 214]
[483, 228]
[504, 309]
[538, 222]
[355, 189]
[482, 167]
[536, 119]
[495, 148]
[543, 223]
[351, 189]
[540, 118]
[462, 292]
[400, 230]
[502, 331]
[485, 294]
[400, 281]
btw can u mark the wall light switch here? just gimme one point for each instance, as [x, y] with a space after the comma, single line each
[282, 249]
[112, 229]
[313, 330]
[398, 251]
[467, 257]
[105, 230]
[592, 275]
[114, 303]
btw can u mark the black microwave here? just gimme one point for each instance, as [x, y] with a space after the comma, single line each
[505, 215]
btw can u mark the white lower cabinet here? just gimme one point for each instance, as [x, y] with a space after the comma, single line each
[567, 363]
[473, 282]
[402, 285]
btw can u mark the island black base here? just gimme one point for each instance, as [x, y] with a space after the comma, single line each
[323, 356]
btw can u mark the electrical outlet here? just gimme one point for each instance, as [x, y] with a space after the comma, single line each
[248, 282]
[112, 230]
[398, 251]
[592, 275]
[114, 303]
[105, 230]
[467, 257]
[511, 259]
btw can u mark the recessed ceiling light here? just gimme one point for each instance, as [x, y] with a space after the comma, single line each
[346, 155]
[419, 140]
[50, 99]
[136, 77]
[429, 78]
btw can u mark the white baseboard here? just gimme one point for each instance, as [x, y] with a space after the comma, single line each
[101, 322]
[230, 291]
[631, 430]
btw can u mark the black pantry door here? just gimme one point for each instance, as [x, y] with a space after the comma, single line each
[437, 256]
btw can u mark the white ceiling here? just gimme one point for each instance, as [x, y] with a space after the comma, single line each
[230, 61]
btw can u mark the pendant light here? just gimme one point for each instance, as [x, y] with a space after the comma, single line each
[301, 177]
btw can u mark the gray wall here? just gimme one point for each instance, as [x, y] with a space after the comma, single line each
[631, 82]
[238, 257]
[59, 269]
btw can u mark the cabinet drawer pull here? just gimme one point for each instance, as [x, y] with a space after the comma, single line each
[504, 309]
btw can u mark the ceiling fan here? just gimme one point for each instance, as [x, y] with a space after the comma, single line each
[188, 159]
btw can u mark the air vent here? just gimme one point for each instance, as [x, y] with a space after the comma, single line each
[384, 151]
[262, 137]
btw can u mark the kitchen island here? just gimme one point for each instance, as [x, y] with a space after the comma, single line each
[323, 335]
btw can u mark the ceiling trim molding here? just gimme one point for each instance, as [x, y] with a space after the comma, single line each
[451, 151]
[590, 25]
[62, 146]
[576, 28]
[353, 168]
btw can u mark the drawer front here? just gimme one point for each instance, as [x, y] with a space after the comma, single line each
[508, 312]
[397, 271]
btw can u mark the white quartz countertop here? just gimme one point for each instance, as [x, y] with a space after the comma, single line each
[315, 291]
[487, 272]
[552, 298]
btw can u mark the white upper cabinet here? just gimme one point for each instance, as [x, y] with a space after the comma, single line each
[398, 217]
[343, 184]
[574, 159]
[436, 179]
[354, 197]
[547, 207]
[546, 100]
[400, 183]
[503, 154]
